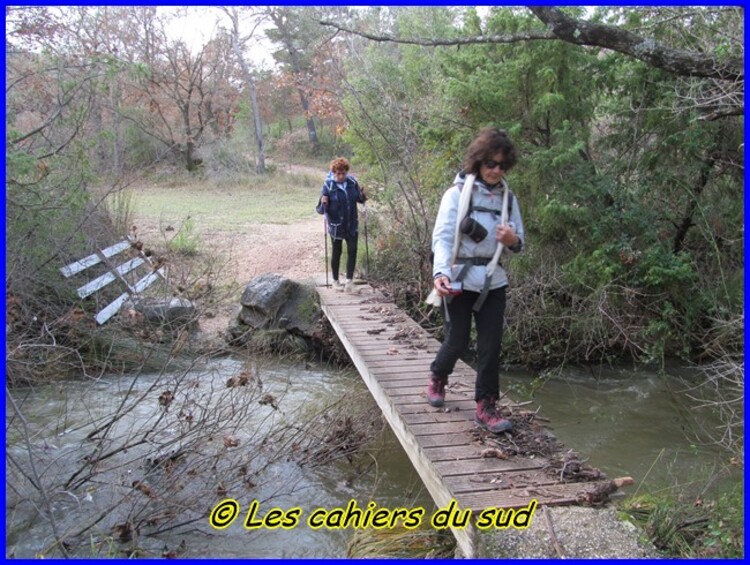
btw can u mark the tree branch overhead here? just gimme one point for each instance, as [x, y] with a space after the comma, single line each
[580, 32]
[685, 63]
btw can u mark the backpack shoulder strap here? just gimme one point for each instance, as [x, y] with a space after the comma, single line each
[495, 211]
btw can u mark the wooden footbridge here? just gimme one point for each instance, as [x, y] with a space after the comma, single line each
[455, 460]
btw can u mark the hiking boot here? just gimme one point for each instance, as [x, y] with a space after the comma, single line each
[338, 285]
[488, 418]
[349, 285]
[436, 390]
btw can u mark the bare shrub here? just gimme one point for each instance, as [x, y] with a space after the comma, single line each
[160, 451]
[339, 430]
[720, 386]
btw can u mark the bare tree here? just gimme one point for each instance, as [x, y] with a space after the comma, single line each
[294, 33]
[239, 42]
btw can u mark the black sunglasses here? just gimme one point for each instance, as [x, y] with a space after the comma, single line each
[491, 164]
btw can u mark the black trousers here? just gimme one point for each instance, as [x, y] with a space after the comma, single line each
[489, 321]
[351, 256]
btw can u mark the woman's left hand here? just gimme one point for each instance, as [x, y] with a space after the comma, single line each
[507, 236]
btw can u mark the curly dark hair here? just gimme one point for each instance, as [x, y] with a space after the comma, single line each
[486, 145]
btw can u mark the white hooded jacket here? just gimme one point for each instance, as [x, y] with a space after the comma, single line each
[445, 229]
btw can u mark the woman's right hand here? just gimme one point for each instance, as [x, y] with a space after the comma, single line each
[442, 285]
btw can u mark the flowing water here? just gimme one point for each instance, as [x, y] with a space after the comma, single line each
[630, 423]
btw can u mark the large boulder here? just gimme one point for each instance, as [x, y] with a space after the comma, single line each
[271, 303]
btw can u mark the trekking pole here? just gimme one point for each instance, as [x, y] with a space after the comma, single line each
[325, 237]
[367, 249]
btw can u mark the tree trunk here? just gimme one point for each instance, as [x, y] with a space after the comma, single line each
[312, 133]
[261, 167]
[261, 162]
[189, 160]
[116, 126]
[687, 220]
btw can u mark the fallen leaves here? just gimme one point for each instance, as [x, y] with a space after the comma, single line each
[493, 452]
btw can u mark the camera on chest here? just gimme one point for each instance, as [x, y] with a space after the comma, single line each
[476, 231]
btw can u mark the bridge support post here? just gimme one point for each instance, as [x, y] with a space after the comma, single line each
[467, 541]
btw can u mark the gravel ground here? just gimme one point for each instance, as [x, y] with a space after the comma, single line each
[580, 533]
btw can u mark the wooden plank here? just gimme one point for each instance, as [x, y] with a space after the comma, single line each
[502, 481]
[420, 391]
[414, 386]
[550, 495]
[410, 392]
[426, 441]
[445, 428]
[482, 465]
[113, 307]
[473, 450]
[423, 370]
[405, 406]
[78, 266]
[146, 281]
[106, 278]
[433, 417]
[385, 361]
[419, 377]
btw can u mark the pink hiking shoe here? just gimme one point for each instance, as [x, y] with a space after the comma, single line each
[488, 418]
[436, 390]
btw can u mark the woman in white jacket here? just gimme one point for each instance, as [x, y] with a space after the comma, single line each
[479, 220]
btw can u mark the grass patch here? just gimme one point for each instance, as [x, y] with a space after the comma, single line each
[282, 198]
[398, 542]
[693, 528]
[187, 240]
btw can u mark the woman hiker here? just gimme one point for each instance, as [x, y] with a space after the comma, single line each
[482, 220]
[338, 198]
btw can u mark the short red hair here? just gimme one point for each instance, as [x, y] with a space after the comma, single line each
[340, 164]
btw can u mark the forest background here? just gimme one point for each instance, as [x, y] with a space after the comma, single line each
[629, 124]
[631, 167]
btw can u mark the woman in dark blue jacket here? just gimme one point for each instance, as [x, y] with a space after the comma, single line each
[338, 199]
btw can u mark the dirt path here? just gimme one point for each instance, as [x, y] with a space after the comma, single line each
[294, 250]
[232, 257]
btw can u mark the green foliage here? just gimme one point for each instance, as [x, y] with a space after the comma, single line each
[187, 240]
[612, 162]
[120, 208]
[47, 204]
[692, 528]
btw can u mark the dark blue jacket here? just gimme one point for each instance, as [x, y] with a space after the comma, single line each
[343, 221]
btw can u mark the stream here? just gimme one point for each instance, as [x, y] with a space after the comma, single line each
[625, 422]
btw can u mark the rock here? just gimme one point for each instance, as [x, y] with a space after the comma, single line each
[271, 301]
[275, 306]
[173, 313]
